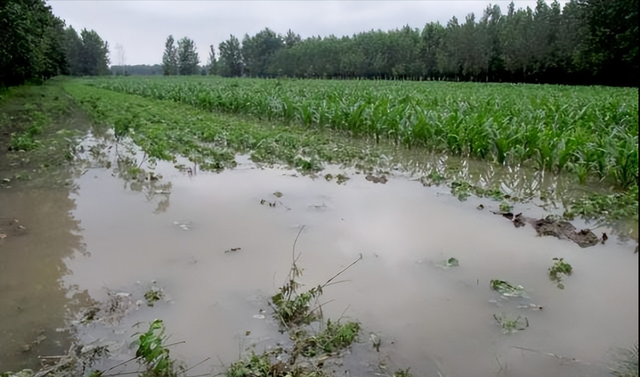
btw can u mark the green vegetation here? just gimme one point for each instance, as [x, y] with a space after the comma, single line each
[582, 41]
[621, 205]
[589, 132]
[334, 337]
[42, 121]
[152, 295]
[559, 268]
[627, 363]
[153, 353]
[36, 45]
[511, 325]
[286, 122]
[403, 373]
[164, 130]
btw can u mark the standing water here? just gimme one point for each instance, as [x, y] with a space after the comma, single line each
[219, 245]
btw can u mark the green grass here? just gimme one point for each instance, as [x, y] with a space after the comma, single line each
[39, 129]
[589, 131]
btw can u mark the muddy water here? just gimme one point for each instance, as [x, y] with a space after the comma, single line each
[34, 303]
[433, 320]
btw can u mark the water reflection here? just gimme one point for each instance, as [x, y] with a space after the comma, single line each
[33, 301]
[42, 236]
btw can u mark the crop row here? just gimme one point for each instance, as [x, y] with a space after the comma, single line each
[589, 131]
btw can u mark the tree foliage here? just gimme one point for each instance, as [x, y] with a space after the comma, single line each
[230, 63]
[187, 57]
[36, 45]
[170, 57]
[582, 42]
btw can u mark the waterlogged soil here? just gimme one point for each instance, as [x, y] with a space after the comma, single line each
[219, 245]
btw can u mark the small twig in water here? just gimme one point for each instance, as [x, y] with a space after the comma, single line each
[118, 365]
[343, 270]
[185, 372]
[293, 252]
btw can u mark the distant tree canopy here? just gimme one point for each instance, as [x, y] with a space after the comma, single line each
[35, 44]
[584, 42]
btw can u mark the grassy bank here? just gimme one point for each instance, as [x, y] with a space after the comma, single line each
[40, 126]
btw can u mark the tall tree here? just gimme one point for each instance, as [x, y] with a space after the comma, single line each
[187, 57]
[94, 54]
[170, 57]
[31, 42]
[291, 39]
[230, 57]
[258, 50]
[432, 36]
[213, 61]
[610, 50]
[73, 49]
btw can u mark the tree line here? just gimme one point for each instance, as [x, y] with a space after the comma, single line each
[584, 42]
[35, 44]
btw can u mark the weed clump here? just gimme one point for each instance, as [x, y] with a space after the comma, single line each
[152, 295]
[153, 353]
[627, 363]
[335, 337]
[559, 268]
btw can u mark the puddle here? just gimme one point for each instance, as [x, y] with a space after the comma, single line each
[217, 251]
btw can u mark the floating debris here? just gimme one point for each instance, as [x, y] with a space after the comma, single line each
[371, 178]
[184, 225]
[271, 204]
[507, 289]
[375, 340]
[452, 262]
[233, 249]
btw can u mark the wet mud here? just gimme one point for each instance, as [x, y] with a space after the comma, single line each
[553, 227]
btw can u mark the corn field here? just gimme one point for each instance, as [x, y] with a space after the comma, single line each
[587, 131]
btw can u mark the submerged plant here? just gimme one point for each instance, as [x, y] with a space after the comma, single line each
[511, 325]
[403, 373]
[293, 308]
[559, 268]
[626, 362]
[152, 295]
[506, 289]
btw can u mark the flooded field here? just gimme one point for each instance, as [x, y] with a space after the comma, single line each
[220, 245]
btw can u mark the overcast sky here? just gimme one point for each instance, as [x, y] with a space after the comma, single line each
[142, 27]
